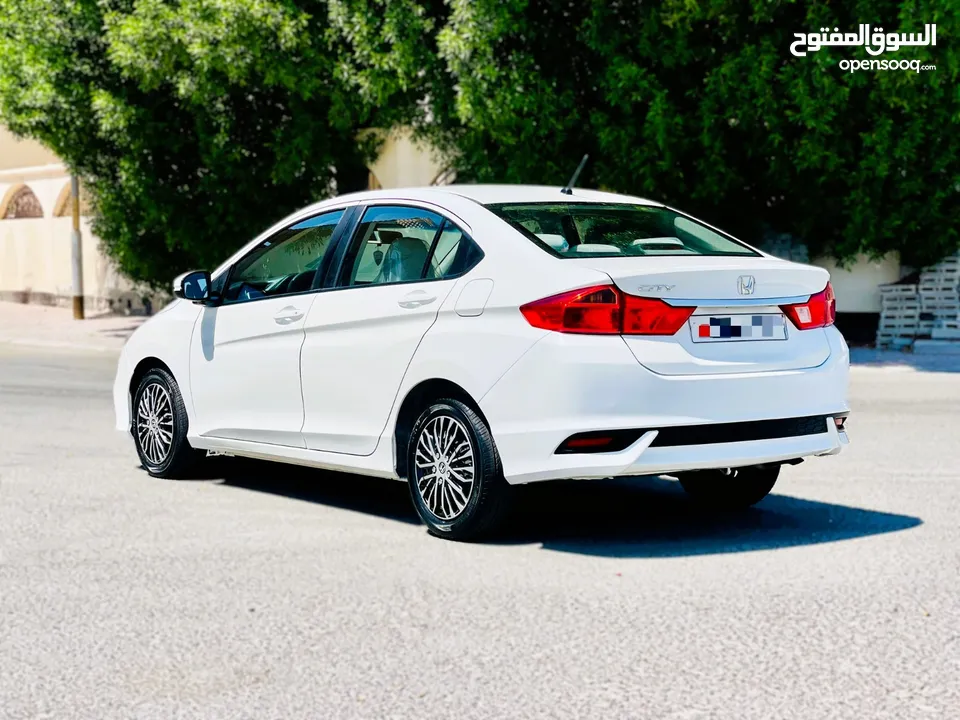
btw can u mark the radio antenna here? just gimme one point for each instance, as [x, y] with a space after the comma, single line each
[568, 188]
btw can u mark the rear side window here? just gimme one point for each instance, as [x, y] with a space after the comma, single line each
[396, 244]
[615, 230]
[453, 253]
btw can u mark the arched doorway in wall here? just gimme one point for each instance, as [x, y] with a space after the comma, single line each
[19, 203]
[63, 206]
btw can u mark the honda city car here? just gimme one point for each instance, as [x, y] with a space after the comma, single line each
[465, 339]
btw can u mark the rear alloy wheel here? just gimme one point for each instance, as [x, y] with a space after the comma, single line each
[456, 481]
[741, 488]
[160, 426]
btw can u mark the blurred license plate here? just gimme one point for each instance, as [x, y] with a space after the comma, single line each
[728, 328]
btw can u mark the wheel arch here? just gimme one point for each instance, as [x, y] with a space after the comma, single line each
[142, 368]
[415, 402]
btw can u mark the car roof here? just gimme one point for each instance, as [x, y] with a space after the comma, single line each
[493, 194]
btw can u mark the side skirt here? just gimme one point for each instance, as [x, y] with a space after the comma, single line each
[379, 464]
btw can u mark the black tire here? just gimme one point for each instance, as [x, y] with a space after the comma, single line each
[742, 488]
[176, 460]
[487, 496]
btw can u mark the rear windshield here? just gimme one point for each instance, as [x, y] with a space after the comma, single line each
[613, 230]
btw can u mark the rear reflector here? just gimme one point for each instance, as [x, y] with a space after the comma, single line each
[602, 441]
[588, 442]
[605, 310]
[817, 312]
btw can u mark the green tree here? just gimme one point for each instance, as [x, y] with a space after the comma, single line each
[195, 124]
[701, 104]
[198, 122]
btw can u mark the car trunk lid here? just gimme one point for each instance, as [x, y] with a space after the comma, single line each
[739, 292]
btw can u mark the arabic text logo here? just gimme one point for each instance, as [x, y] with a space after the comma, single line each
[876, 43]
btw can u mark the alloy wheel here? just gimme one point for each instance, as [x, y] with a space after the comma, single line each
[155, 423]
[445, 467]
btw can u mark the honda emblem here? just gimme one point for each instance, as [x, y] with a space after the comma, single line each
[746, 284]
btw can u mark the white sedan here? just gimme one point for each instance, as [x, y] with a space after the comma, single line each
[469, 338]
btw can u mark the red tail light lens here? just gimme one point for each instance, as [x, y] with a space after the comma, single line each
[650, 316]
[594, 310]
[819, 311]
[605, 310]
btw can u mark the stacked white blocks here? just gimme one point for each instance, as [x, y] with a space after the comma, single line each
[929, 309]
[940, 298]
[899, 316]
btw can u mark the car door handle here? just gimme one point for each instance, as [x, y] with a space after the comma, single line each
[415, 299]
[288, 315]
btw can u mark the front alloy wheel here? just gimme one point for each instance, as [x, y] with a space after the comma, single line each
[456, 482]
[160, 426]
[154, 423]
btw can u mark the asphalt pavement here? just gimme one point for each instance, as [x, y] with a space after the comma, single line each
[265, 591]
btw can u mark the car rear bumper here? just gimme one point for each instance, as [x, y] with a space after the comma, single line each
[568, 384]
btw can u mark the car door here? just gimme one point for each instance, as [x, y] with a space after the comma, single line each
[245, 354]
[399, 267]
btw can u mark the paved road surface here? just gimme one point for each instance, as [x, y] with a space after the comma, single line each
[282, 593]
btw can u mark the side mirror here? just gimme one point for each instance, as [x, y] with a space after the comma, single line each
[193, 286]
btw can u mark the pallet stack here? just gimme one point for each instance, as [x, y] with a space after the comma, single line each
[928, 310]
[940, 298]
[899, 315]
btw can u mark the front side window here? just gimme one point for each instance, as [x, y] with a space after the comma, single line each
[615, 230]
[396, 244]
[285, 263]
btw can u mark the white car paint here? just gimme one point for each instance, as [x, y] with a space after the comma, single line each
[245, 370]
[371, 334]
[320, 378]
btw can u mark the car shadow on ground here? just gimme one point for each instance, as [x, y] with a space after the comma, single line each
[653, 517]
[359, 493]
[627, 517]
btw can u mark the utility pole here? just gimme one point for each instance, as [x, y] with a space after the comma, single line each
[76, 255]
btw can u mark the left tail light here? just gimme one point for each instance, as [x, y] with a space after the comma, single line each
[817, 312]
[605, 310]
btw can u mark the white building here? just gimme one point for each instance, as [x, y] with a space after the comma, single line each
[35, 227]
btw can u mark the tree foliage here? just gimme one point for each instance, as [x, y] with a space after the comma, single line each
[196, 123]
[701, 104]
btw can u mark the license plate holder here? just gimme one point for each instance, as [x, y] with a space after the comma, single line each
[745, 327]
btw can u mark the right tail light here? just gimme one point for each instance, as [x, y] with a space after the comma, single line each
[817, 312]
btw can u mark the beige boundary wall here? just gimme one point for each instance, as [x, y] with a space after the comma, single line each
[35, 253]
[857, 287]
